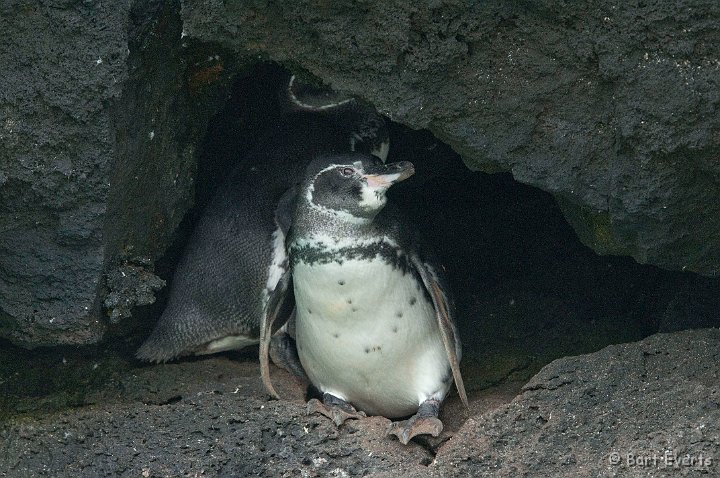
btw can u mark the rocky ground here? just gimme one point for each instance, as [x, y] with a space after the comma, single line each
[209, 417]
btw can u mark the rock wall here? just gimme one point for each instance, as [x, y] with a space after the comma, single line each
[600, 413]
[610, 106]
[99, 115]
[63, 64]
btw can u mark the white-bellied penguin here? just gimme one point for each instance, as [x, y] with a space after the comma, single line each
[374, 322]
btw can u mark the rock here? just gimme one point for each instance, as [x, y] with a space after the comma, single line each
[96, 152]
[128, 286]
[203, 418]
[603, 413]
[56, 142]
[636, 402]
[613, 108]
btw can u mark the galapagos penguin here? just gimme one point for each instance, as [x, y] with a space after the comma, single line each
[374, 322]
[233, 271]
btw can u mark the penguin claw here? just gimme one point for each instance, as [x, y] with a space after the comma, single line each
[407, 429]
[336, 412]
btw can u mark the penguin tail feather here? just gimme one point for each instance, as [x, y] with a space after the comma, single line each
[166, 343]
[156, 352]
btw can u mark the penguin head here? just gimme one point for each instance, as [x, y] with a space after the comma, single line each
[364, 128]
[351, 187]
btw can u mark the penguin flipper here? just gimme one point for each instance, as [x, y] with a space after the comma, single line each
[271, 312]
[276, 292]
[445, 321]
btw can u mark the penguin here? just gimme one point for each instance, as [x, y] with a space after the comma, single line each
[374, 316]
[233, 271]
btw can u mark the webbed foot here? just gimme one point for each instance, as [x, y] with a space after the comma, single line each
[424, 422]
[336, 409]
[283, 353]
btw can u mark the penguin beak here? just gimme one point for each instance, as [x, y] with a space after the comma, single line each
[385, 175]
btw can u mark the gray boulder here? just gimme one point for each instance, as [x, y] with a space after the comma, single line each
[649, 408]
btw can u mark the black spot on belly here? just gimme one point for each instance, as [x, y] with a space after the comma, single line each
[309, 311]
[413, 300]
[349, 301]
[354, 309]
[336, 335]
[395, 329]
[398, 314]
[341, 282]
[367, 350]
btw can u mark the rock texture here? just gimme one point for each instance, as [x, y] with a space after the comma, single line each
[56, 156]
[96, 159]
[207, 418]
[655, 402]
[655, 398]
[610, 106]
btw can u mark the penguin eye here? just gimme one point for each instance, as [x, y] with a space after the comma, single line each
[347, 172]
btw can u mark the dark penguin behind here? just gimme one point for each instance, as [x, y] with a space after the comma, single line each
[222, 282]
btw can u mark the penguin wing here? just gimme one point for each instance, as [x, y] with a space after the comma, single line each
[270, 314]
[277, 285]
[443, 314]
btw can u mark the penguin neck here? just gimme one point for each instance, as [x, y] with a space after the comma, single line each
[316, 226]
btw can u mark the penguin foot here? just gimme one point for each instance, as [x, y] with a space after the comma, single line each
[407, 429]
[283, 353]
[424, 422]
[336, 409]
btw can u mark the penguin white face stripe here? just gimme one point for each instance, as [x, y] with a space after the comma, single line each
[297, 102]
[373, 197]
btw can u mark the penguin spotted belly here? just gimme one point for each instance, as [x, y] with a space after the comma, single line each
[374, 317]
[367, 333]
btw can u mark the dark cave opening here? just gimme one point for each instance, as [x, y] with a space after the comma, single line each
[528, 291]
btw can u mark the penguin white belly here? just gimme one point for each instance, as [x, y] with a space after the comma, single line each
[367, 333]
